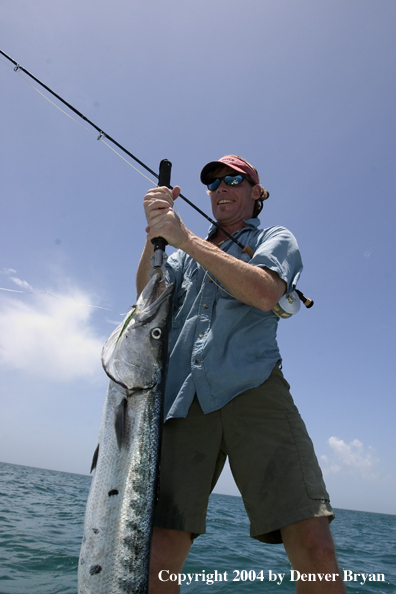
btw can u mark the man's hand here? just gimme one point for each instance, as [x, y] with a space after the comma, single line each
[261, 288]
[162, 219]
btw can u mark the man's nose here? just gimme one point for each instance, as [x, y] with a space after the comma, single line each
[222, 186]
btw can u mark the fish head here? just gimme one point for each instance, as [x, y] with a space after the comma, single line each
[135, 355]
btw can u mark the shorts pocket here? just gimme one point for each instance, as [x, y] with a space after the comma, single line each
[310, 469]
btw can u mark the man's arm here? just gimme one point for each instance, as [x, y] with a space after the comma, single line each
[261, 288]
[144, 267]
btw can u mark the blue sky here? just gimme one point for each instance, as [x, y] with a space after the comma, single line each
[303, 90]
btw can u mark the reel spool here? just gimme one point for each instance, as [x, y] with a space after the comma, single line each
[288, 305]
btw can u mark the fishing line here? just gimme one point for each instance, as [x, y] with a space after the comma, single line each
[100, 137]
[127, 162]
[18, 67]
[54, 104]
[217, 284]
[103, 134]
[61, 299]
[246, 249]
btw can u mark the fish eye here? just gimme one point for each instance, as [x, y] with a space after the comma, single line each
[156, 333]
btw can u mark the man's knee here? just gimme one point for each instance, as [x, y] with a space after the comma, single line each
[169, 549]
[311, 539]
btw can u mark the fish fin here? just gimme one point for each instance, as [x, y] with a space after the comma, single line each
[95, 459]
[119, 422]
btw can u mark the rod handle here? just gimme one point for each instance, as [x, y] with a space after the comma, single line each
[248, 250]
[165, 173]
[164, 178]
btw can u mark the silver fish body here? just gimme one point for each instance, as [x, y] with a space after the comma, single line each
[114, 557]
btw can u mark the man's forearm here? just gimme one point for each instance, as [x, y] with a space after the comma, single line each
[250, 284]
[144, 267]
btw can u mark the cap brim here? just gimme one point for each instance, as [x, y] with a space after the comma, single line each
[209, 167]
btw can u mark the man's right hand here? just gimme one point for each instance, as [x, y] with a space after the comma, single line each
[161, 218]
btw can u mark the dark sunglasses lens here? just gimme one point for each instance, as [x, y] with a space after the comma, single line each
[214, 185]
[233, 180]
[230, 180]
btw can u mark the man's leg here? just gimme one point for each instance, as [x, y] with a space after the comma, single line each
[191, 462]
[310, 548]
[169, 550]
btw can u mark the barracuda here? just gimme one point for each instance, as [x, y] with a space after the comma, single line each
[115, 551]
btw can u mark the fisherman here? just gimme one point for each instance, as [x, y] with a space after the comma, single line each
[226, 394]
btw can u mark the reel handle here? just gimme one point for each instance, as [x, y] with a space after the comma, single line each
[307, 302]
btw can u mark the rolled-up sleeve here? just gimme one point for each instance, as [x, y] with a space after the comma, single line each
[277, 249]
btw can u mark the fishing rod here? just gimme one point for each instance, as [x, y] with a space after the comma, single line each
[103, 134]
[245, 248]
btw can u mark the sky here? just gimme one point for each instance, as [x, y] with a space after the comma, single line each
[303, 90]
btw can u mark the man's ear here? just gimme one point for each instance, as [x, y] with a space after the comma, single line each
[256, 192]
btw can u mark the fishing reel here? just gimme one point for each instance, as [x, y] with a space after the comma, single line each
[290, 304]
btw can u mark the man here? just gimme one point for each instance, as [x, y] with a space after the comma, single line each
[225, 394]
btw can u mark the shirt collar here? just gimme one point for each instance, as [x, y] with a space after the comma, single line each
[250, 223]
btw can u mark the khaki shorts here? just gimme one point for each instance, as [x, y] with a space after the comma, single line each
[271, 458]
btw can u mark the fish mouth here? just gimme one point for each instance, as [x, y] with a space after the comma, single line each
[150, 294]
[152, 290]
[151, 300]
[115, 353]
[135, 389]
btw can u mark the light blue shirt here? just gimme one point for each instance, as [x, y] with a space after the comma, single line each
[219, 345]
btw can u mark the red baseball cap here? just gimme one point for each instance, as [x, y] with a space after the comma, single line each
[234, 162]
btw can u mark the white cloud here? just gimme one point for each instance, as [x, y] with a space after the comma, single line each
[8, 271]
[51, 338]
[21, 283]
[350, 458]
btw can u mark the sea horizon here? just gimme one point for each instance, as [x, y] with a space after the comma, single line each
[214, 493]
[41, 526]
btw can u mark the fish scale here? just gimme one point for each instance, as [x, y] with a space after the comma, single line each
[115, 551]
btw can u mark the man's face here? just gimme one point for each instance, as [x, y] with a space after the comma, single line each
[233, 204]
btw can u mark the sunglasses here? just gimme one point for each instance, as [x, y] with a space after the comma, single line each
[230, 180]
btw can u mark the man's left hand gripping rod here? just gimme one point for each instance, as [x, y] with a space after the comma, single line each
[159, 257]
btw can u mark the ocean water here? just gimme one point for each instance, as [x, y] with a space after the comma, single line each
[41, 523]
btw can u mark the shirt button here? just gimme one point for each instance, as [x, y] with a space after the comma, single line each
[201, 335]
[197, 361]
[206, 306]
